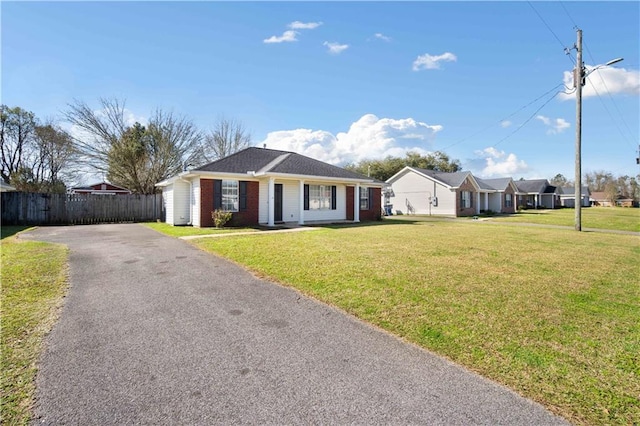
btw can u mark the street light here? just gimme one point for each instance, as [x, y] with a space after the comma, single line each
[579, 76]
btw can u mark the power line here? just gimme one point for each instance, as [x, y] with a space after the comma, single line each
[605, 86]
[615, 104]
[567, 12]
[505, 118]
[528, 119]
[565, 48]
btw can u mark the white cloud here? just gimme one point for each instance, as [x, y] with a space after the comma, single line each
[335, 48]
[506, 123]
[494, 163]
[297, 25]
[368, 138]
[381, 36]
[555, 126]
[613, 80]
[432, 62]
[287, 36]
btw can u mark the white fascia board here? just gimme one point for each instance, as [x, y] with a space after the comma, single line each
[399, 174]
[310, 178]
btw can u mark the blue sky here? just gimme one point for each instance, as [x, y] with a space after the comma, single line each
[342, 82]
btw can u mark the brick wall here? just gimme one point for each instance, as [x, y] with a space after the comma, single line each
[375, 213]
[206, 202]
[514, 201]
[248, 217]
[466, 186]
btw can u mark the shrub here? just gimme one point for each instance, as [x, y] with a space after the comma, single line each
[220, 218]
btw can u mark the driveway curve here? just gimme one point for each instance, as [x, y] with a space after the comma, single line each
[155, 331]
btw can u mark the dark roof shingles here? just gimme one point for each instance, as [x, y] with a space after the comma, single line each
[255, 159]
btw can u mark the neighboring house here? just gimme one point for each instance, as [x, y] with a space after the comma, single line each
[263, 186]
[101, 188]
[421, 191]
[537, 193]
[601, 199]
[497, 195]
[567, 196]
[5, 187]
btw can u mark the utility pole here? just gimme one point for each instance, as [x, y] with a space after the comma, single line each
[578, 81]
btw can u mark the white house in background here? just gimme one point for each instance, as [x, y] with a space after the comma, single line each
[421, 191]
[568, 196]
[264, 186]
[497, 195]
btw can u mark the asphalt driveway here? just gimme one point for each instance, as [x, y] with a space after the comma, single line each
[155, 331]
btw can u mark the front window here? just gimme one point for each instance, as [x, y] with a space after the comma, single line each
[364, 198]
[319, 197]
[508, 202]
[230, 195]
[466, 199]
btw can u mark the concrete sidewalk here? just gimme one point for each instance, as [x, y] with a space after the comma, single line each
[155, 331]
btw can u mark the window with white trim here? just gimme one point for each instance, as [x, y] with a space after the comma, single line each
[466, 200]
[364, 198]
[319, 197]
[230, 195]
[508, 200]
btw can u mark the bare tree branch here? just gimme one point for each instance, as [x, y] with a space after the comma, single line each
[228, 136]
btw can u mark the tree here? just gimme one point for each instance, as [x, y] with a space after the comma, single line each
[596, 181]
[227, 137]
[559, 181]
[17, 128]
[389, 166]
[35, 157]
[56, 156]
[136, 157]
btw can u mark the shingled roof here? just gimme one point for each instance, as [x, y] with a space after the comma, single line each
[454, 179]
[498, 184]
[263, 160]
[533, 185]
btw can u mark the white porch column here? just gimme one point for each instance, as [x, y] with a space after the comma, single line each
[301, 204]
[271, 201]
[486, 201]
[536, 201]
[356, 203]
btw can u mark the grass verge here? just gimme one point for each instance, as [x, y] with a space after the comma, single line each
[186, 231]
[553, 314]
[34, 281]
[617, 218]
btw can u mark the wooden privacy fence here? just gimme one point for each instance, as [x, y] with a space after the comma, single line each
[22, 208]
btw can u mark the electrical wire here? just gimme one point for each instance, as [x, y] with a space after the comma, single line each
[564, 48]
[605, 86]
[615, 104]
[503, 119]
[527, 120]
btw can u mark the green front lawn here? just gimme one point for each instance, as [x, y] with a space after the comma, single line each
[34, 280]
[187, 231]
[553, 314]
[617, 218]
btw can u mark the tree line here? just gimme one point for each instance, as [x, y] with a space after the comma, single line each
[40, 156]
[613, 187]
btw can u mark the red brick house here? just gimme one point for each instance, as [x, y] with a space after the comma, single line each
[265, 187]
[100, 188]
